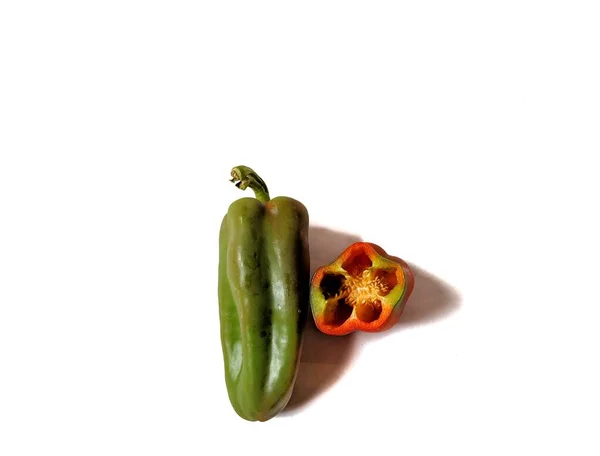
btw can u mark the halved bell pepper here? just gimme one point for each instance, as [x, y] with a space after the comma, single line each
[264, 278]
[364, 289]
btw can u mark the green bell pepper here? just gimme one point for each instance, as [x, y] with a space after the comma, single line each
[264, 282]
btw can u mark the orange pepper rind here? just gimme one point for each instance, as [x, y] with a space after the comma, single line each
[364, 289]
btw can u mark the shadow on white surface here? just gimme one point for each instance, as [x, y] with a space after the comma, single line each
[325, 358]
[432, 299]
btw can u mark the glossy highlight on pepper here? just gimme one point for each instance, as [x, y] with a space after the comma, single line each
[264, 279]
[364, 289]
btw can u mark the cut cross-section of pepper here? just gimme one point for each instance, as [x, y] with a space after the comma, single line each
[364, 289]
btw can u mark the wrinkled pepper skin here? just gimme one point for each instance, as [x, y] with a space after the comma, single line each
[264, 268]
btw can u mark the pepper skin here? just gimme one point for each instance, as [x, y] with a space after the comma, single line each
[364, 289]
[264, 279]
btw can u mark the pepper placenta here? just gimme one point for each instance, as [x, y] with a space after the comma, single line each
[364, 289]
[264, 279]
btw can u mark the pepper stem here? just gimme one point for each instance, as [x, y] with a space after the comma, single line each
[244, 177]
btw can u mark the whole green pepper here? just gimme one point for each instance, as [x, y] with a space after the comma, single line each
[264, 281]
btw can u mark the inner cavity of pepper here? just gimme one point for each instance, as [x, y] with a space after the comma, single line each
[356, 291]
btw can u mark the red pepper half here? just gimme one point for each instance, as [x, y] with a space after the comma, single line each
[364, 289]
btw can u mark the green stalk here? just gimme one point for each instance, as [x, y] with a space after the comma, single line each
[245, 177]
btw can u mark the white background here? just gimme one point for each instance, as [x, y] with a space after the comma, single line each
[460, 136]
